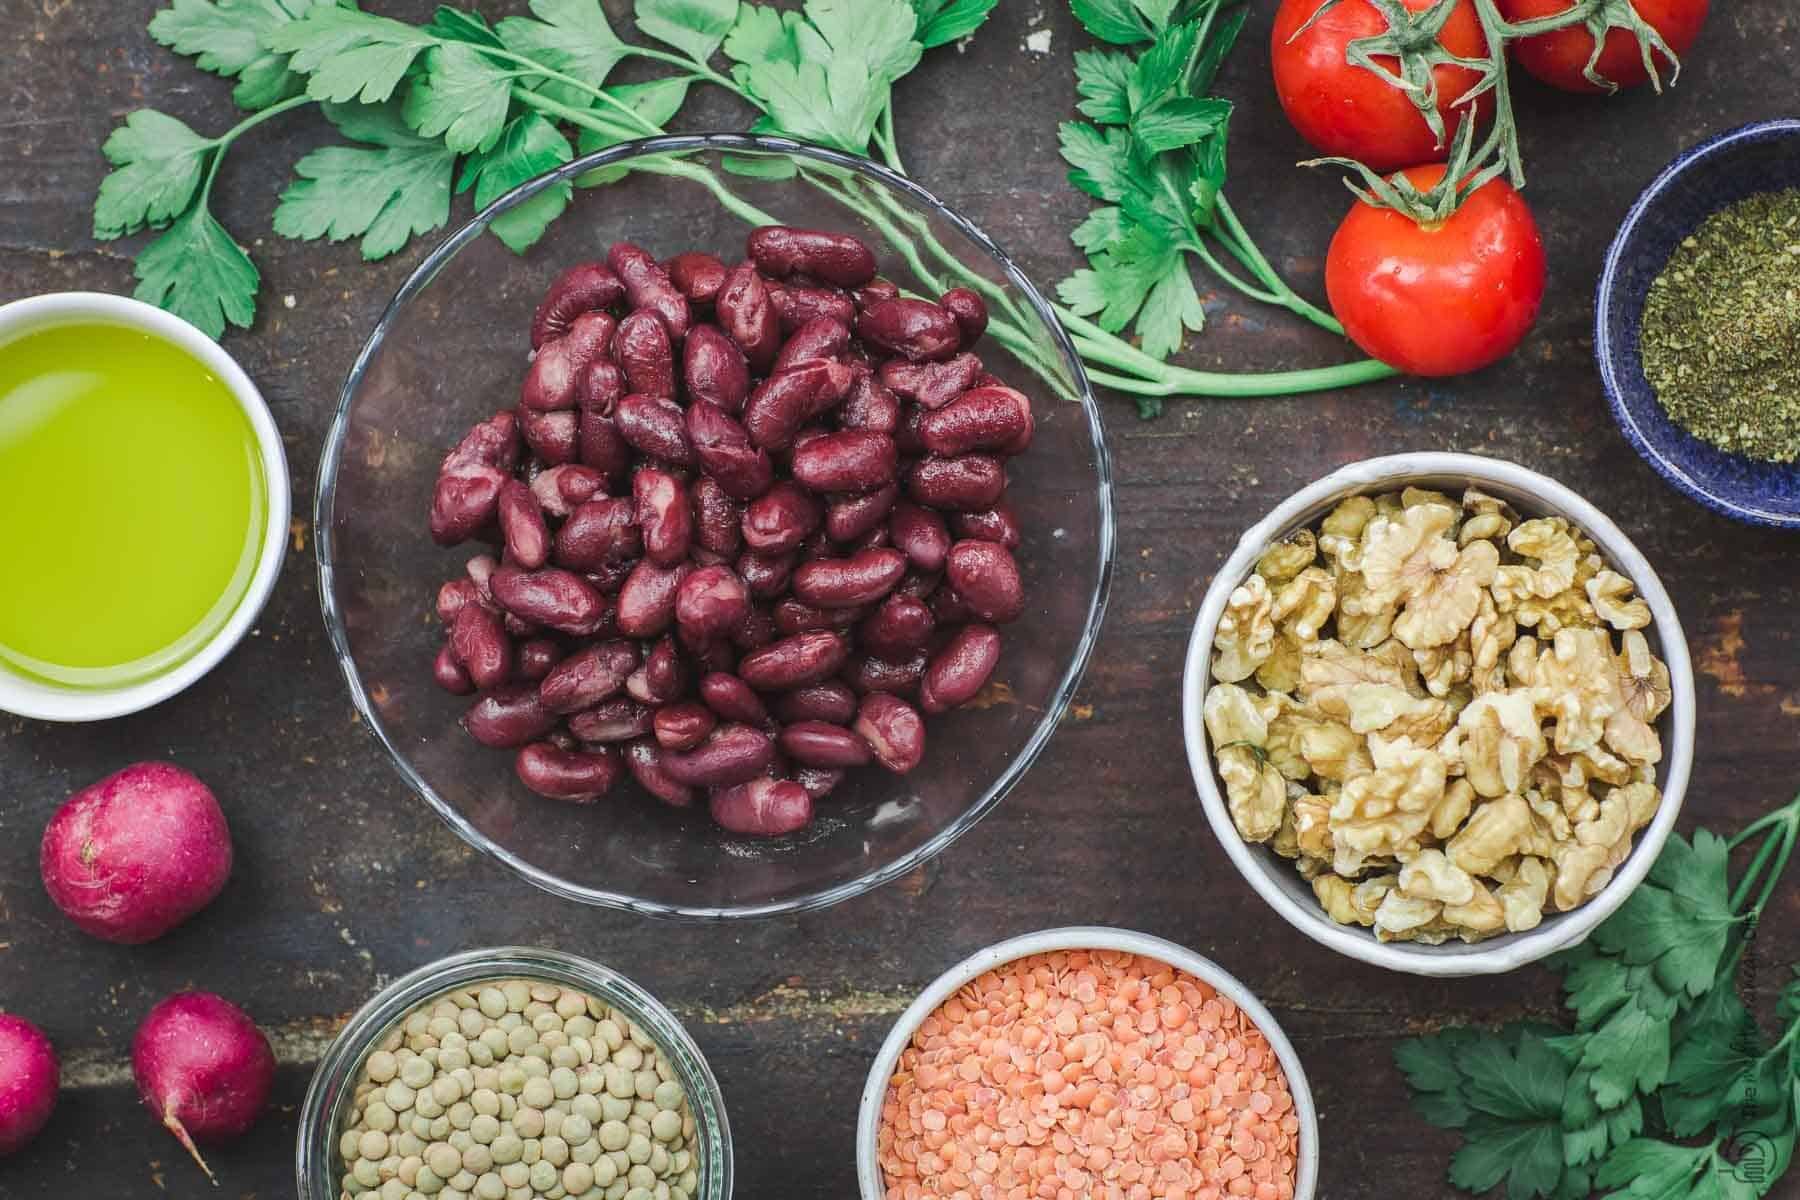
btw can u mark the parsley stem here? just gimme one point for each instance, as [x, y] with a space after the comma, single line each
[647, 126]
[222, 143]
[1258, 262]
[884, 134]
[698, 67]
[1183, 381]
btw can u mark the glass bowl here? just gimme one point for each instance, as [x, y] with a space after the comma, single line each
[452, 348]
[317, 1167]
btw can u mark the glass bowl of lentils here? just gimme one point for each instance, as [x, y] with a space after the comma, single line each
[513, 1074]
[730, 553]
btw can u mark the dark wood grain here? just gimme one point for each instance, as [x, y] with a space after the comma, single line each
[344, 881]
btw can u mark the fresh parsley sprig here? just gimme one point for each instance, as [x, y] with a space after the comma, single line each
[1665, 1088]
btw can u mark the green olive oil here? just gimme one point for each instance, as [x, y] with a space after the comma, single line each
[132, 505]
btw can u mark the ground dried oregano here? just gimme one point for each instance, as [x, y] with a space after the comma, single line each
[1720, 339]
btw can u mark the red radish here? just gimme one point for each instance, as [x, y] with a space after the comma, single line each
[136, 854]
[203, 1067]
[28, 1077]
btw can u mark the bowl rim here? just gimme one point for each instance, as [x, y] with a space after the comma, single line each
[356, 1039]
[49, 702]
[332, 455]
[1507, 951]
[1080, 937]
[1606, 354]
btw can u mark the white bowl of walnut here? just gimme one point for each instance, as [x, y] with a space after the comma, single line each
[1440, 713]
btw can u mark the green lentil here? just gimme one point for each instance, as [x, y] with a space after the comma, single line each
[1720, 336]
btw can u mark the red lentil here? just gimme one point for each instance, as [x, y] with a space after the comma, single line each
[1083, 1074]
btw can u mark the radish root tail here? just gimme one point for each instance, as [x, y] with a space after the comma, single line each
[173, 1124]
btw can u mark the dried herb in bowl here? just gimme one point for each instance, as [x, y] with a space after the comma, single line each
[1720, 339]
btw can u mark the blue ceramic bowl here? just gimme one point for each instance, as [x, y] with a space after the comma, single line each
[1757, 158]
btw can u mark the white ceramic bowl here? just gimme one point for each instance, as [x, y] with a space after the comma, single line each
[1274, 877]
[49, 702]
[1081, 937]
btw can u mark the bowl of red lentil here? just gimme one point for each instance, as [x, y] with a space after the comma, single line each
[1087, 1062]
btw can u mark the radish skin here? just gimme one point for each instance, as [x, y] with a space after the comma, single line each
[28, 1080]
[203, 1068]
[136, 854]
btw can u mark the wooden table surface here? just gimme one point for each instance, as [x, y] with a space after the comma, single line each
[344, 880]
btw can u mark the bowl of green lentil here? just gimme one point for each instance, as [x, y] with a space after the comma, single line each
[1697, 326]
[513, 1074]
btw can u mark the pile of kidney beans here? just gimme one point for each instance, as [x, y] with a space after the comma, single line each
[753, 521]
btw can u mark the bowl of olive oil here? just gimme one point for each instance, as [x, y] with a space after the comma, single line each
[144, 493]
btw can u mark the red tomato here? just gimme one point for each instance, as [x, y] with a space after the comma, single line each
[1352, 112]
[1560, 58]
[1438, 300]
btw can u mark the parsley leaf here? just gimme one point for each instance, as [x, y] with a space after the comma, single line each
[530, 146]
[571, 37]
[1179, 121]
[196, 271]
[1678, 921]
[1115, 21]
[394, 187]
[656, 102]
[347, 54]
[943, 21]
[226, 37]
[1163, 67]
[1103, 78]
[695, 27]
[158, 162]
[1653, 1170]
[1719, 1045]
[455, 25]
[764, 34]
[463, 97]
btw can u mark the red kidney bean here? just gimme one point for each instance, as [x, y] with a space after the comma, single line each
[464, 502]
[577, 776]
[817, 546]
[718, 519]
[991, 418]
[893, 729]
[561, 488]
[450, 674]
[585, 287]
[609, 577]
[831, 702]
[490, 443]
[794, 662]
[869, 406]
[648, 287]
[643, 759]
[906, 434]
[819, 338]
[535, 659]
[710, 602]
[782, 250]
[683, 726]
[914, 328]
[755, 631]
[819, 782]
[785, 401]
[661, 679]
[866, 673]
[874, 292]
[602, 387]
[588, 676]
[932, 384]
[795, 304]
[969, 481]
[997, 524]
[897, 629]
[725, 452]
[748, 316]
[655, 427]
[508, 717]
[644, 351]
[553, 381]
[697, 276]
[847, 461]
[518, 627]
[588, 337]
[863, 578]
[708, 654]
[552, 436]
[598, 532]
[958, 671]
[762, 807]
[714, 368]
[848, 518]
[919, 534]
[918, 584]
[766, 575]
[481, 573]
[600, 446]
[552, 597]
[986, 577]
[663, 515]
[970, 311]
[452, 595]
[647, 601]
[780, 519]
[522, 523]
[791, 617]
[948, 606]
[616, 720]
[730, 754]
[732, 699]
[818, 744]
